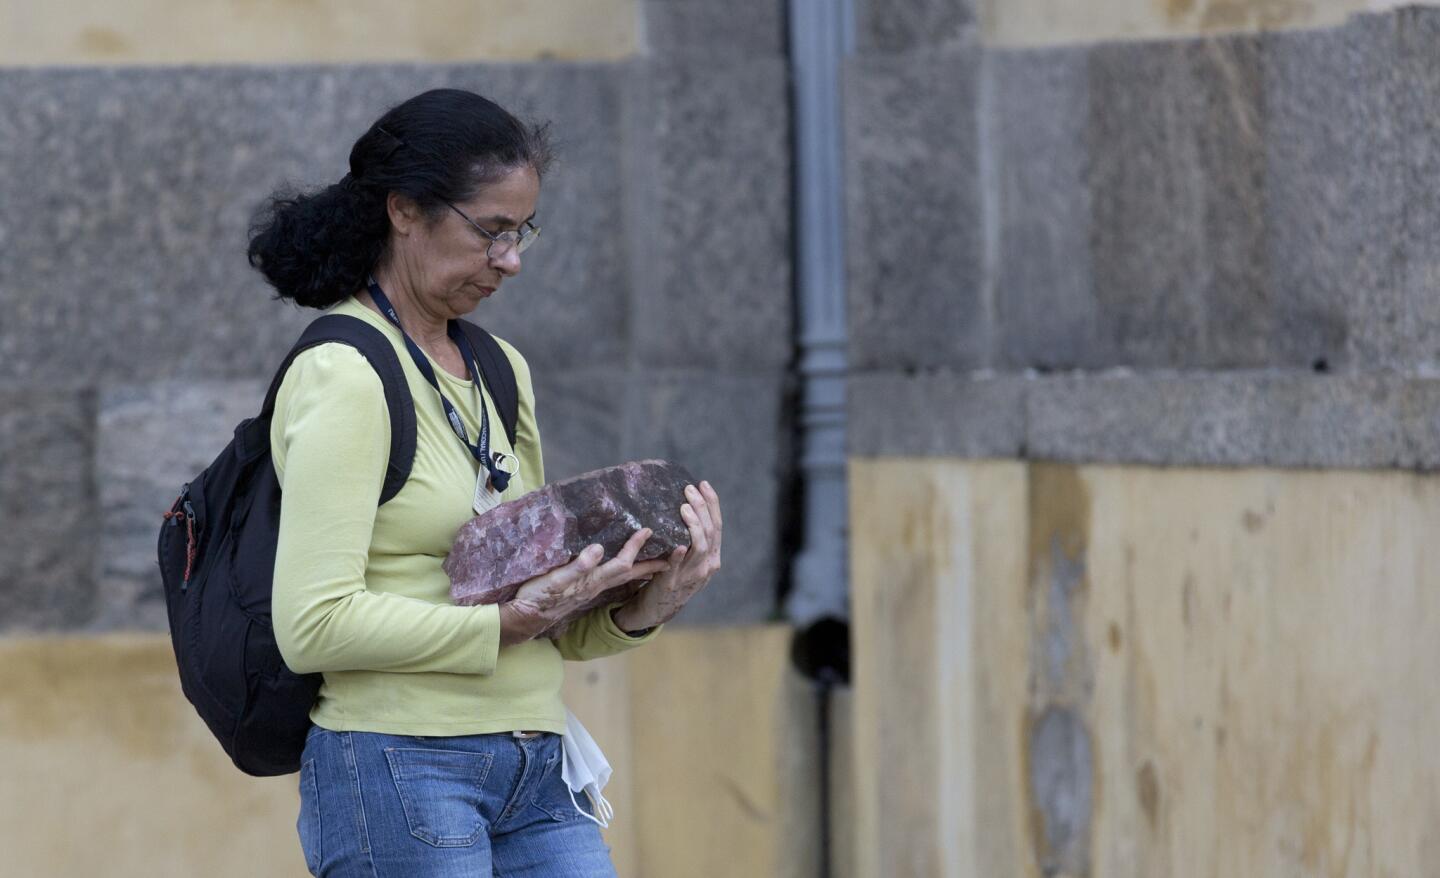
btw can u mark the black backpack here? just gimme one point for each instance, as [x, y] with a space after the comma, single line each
[217, 558]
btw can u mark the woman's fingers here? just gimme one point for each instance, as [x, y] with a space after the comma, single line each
[624, 568]
[647, 569]
[712, 500]
[625, 558]
[701, 507]
[633, 545]
[698, 541]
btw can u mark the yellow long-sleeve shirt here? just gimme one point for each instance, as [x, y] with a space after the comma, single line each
[359, 592]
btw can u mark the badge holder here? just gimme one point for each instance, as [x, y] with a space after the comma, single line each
[486, 497]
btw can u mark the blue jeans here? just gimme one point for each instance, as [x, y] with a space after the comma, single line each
[396, 806]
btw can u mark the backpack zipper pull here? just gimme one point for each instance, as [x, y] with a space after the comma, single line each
[189, 544]
[174, 517]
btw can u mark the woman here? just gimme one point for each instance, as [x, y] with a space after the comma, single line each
[436, 740]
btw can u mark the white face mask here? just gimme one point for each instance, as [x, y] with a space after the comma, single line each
[584, 769]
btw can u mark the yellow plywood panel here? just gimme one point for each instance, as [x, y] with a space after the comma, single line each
[1186, 672]
[300, 31]
[726, 769]
[108, 771]
[928, 539]
[1269, 641]
[598, 693]
[1049, 22]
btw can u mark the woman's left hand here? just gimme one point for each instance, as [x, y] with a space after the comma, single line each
[691, 567]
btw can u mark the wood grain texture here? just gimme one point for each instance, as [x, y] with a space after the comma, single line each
[1170, 672]
[108, 771]
[714, 740]
[928, 538]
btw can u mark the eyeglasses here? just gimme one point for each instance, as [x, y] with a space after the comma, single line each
[520, 240]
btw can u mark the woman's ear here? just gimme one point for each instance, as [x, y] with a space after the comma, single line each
[404, 213]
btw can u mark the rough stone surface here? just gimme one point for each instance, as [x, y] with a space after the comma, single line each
[913, 213]
[1416, 81]
[1142, 419]
[900, 25]
[495, 553]
[709, 197]
[106, 220]
[664, 151]
[567, 308]
[579, 417]
[1246, 418]
[1045, 298]
[937, 414]
[1177, 153]
[688, 27]
[152, 438]
[731, 430]
[126, 195]
[47, 506]
[1264, 419]
[1335, 205]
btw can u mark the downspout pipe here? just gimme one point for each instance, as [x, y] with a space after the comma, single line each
[818, 605]
[821, 33]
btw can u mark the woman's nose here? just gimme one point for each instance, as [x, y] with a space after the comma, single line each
[508, 262]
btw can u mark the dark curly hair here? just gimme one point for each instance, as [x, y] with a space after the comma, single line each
[316, 248]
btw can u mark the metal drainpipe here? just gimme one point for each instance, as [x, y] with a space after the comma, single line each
[821, 34]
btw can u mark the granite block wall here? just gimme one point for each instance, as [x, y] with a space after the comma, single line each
[1217, 250]
[655, 312]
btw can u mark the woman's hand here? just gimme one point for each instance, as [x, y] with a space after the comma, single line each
[550, 597]
[690, 567]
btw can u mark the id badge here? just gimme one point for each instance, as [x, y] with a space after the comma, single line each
[486, 497]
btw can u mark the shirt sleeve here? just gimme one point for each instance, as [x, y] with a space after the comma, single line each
[595, 635]
[330, 439]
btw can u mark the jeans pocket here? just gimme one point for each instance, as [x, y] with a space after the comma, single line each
[441, 792]
[552, 795]
[308, 824]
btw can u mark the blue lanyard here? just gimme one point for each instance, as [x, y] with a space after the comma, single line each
[499, 479]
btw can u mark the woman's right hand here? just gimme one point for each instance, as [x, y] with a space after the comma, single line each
[550, 597]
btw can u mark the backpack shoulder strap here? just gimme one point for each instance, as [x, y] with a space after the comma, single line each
[498, 375]
[376, 348]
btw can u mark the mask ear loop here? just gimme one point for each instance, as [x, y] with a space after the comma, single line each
[600, 806]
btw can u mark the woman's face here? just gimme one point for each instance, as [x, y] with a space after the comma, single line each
[445, 258]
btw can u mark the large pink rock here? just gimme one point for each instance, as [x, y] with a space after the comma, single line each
[494, 553]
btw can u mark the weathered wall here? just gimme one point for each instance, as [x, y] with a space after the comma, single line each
[1207, 263]
[1217, 250]
[1211, 251]
[133, 337]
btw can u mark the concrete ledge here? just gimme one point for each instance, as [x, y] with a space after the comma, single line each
[938, 414]
[1248, 418]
